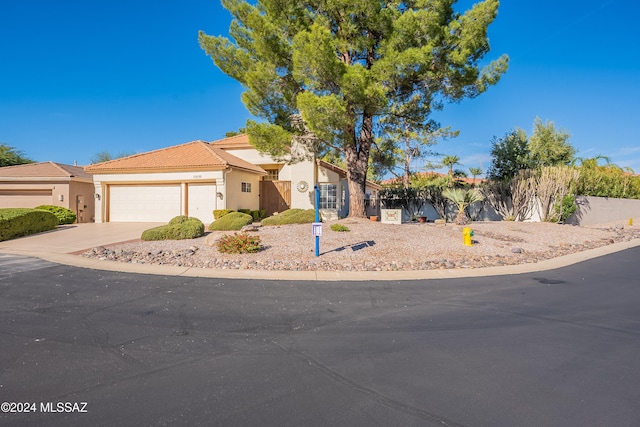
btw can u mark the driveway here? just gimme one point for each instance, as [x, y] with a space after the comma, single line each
[72, 238]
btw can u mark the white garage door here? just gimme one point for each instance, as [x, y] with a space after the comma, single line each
[202, 202]
[144, 203]
[24, 198]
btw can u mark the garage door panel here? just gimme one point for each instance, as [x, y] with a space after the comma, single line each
[202, 201]
[144, 203]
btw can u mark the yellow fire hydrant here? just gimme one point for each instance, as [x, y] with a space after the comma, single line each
[467, 233]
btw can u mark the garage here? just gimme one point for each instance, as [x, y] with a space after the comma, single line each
[202, 201]
[143, 203]
[24, 198]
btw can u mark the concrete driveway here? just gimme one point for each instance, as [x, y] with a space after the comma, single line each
[72, 238]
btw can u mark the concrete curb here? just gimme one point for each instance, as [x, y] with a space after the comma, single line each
[165, 270]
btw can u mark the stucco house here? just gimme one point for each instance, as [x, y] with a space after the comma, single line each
[198, 177]
[48, 183]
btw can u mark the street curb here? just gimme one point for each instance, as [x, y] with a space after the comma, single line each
[165, 270]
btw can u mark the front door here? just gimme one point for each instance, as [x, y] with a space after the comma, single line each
[275, 196]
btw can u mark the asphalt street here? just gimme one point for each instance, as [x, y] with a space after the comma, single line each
[84, 347]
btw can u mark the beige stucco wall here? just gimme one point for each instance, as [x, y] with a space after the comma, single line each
[81, 200]
[295, 173]
[235, 198]
[63, 194]
[602, 210]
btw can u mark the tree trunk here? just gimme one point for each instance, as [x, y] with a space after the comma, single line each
[357, 158]
[406, 178]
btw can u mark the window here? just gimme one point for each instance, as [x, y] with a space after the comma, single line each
[328, 196]
[246, 187]
[272, 174]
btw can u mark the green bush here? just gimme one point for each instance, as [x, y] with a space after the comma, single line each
[291, 216]
[219, 213]
[17, 222]
[180, 219]
[239, 244]
[64, 215]
[179, 228]
[190, 228]
[232, 221]
[565, 208]
[156, 233]
[258, 215]
[607, 181]
[339, 227]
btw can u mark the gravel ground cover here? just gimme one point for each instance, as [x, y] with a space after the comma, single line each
[373, 246]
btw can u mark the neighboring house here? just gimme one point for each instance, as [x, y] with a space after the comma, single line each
[199, 177]
[48, 183]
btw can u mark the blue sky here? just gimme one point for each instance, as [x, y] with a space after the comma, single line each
[80, 77]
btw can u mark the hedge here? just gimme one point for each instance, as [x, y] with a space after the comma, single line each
[232, 221]
[291, 216]
[17, 222]
[219, 213]
[179, 228]
[64, 215]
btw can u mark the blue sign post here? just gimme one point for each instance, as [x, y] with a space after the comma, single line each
[317, 226]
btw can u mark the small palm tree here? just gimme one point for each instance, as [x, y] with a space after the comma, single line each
[475, 172]
[462, 199]
[451, 161]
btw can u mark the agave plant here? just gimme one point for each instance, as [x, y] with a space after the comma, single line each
[462, 199]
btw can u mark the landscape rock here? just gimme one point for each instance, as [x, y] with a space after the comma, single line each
[395, 247]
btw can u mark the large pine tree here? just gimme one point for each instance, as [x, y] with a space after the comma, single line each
[324, 72]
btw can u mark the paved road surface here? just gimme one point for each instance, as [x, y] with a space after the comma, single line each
[559, 348]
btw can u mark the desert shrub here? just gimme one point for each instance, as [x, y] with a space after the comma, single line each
[156, 233]
[462, 199]
[607, 181]
[231, 221]
[64, 215]
[219, 213]
[17, 222]
[189, 228]
[239, 244]
[179, 228]
[513, 198]
[552, 184]
[291, 216]
[258, 215]
[339, 227]
[565, 208]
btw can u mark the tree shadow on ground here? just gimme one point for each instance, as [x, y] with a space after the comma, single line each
[354, 247]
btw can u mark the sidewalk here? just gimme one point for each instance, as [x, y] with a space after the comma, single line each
[60, 245]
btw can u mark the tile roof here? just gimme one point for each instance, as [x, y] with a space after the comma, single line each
[192, 155]
[44, 170]
[240, 141]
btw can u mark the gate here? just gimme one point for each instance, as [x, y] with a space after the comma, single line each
[275, 196]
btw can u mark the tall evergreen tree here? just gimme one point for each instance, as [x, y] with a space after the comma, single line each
[10, 156]
[548, 146]
[509, 155]
[324, 72]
